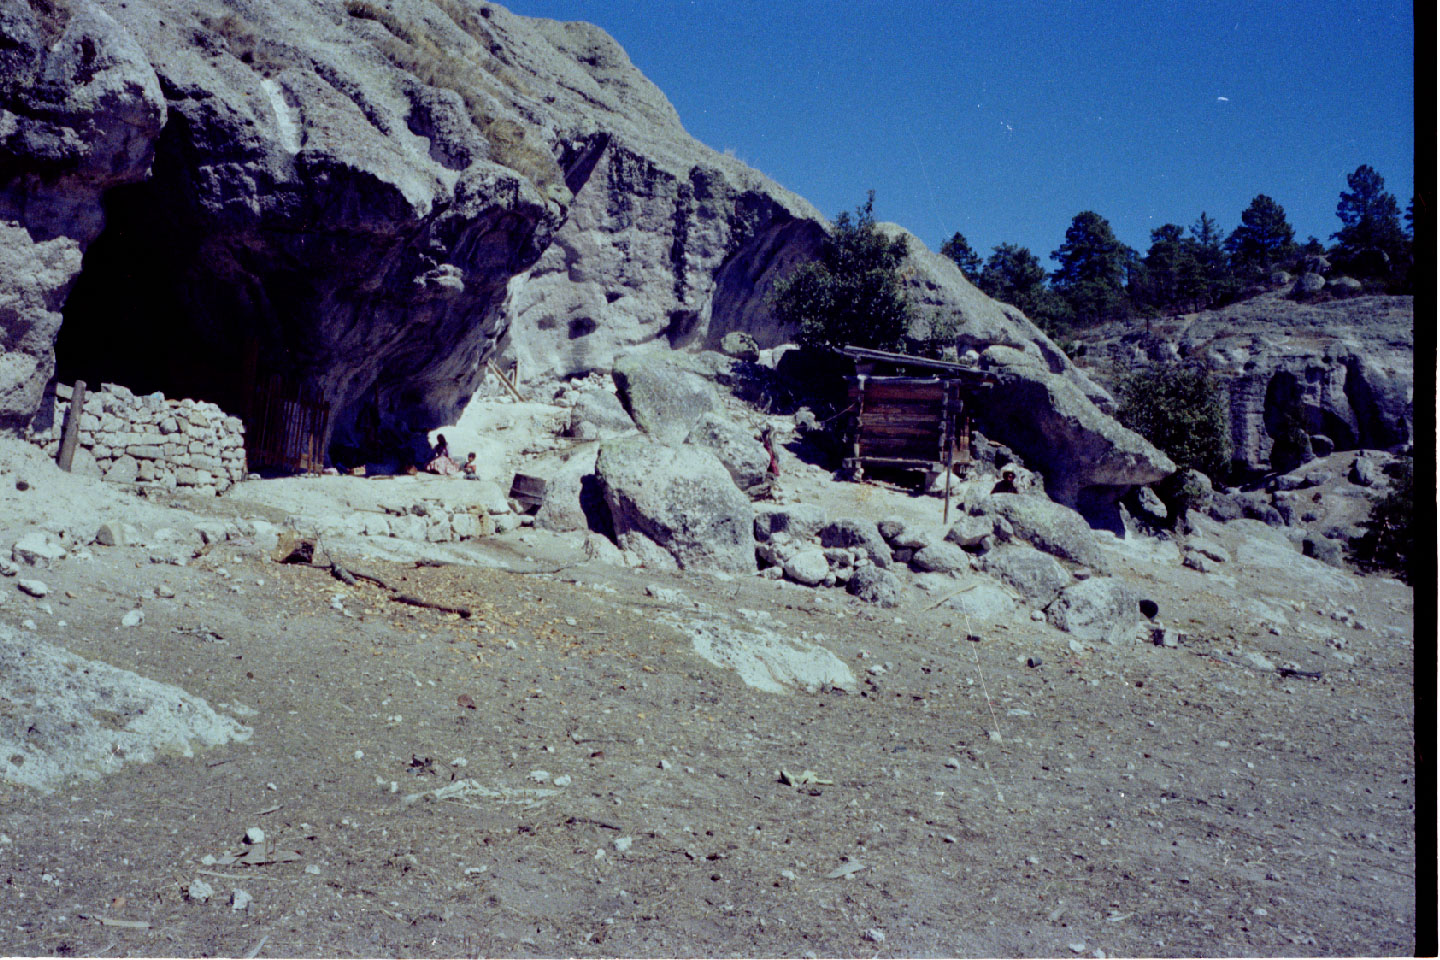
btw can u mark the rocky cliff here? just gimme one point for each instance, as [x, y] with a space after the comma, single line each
[371, 199]
[1301, 379]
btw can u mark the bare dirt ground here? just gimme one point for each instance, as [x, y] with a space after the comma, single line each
[1125, 800]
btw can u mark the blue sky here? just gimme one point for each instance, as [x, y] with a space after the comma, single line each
[1002, 120]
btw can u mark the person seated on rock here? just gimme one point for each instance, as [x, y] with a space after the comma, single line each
[470, 470]
[440, 461]
[1006, 483]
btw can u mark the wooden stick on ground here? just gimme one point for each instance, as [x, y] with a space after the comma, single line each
[350, 576]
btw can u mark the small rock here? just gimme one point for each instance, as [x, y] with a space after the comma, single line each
[563, 780]
[1078, 947]
[8, 569]
[875, 935]
[133, 618]
[254, 835]
[540, 776]
[35, 588]
[313, 870]
[199, 891]
[240, 900]
[664, 764]
[1033, 662]
[623, 843]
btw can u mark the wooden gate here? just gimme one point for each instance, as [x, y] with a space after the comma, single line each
[908, 423]
[287, 426]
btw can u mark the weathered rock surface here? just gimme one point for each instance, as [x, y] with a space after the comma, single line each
[1342, 372]
[875, 585]
[680, 499]
[1103, 608]
[1038, 576]
[856, 532]
[737, 448]
[798, 520]
[941, 557]
[69, 718]
[663, 398]
[599, 414]
[1047, 526]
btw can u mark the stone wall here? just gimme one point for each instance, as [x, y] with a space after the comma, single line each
[148, 441]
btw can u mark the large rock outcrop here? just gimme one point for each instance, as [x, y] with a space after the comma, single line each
[1300, 380]
[346, 194]
[80, 108]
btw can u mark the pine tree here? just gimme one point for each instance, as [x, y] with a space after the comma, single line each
[1370, 242]
[853, 293]
[1092, 273]
[1263, 239]
[1218, 279]
[957, 248]
[1013, 274]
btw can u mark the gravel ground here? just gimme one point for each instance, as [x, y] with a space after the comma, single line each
[625, 796]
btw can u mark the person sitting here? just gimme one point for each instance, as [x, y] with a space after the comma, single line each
[440, 462]
[471, 470]
[1006, 483]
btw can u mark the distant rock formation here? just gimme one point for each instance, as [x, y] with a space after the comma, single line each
[1301, 380]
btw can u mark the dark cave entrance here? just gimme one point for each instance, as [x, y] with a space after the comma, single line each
[159, 305]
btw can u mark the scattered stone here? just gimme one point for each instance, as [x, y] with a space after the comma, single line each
[875, 935]
[133, 618]
[941, 557]
[8, 568]
[35, 588]
[853, 532]
[36, 549]
[240, 901]
[254, 835]
[874, 585]
[564, 780]
[623, 844]
[199, 891]
[808, 567]
[1033, 662]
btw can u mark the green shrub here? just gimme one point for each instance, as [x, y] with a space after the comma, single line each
[1389, 539]
[1179, 408]
[854, 292]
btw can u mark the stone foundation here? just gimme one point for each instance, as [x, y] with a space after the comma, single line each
[146, 441]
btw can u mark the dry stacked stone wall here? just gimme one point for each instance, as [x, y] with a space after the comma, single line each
[148, 440]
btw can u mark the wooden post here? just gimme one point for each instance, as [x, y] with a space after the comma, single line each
[506, 383]
[947, 431]
[72, 427]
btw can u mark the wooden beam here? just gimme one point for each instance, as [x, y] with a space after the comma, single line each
[72, 428]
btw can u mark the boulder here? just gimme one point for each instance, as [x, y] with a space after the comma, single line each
[1037, 576]
[1102, 608]
[1087, 458]
[36, 549]
[1307, 285]
[808, 566]
[874, 585]
[905, 534]
[1346, 286]
[1365, 472]
[603, 413]
[573, 499]
[737, 448]
[942, 557]
[1048, 526]
[741, 346]
[680, 499]
[982, 600]
[665, 400]
[798, 520]
[970, 530]
[854, 532]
